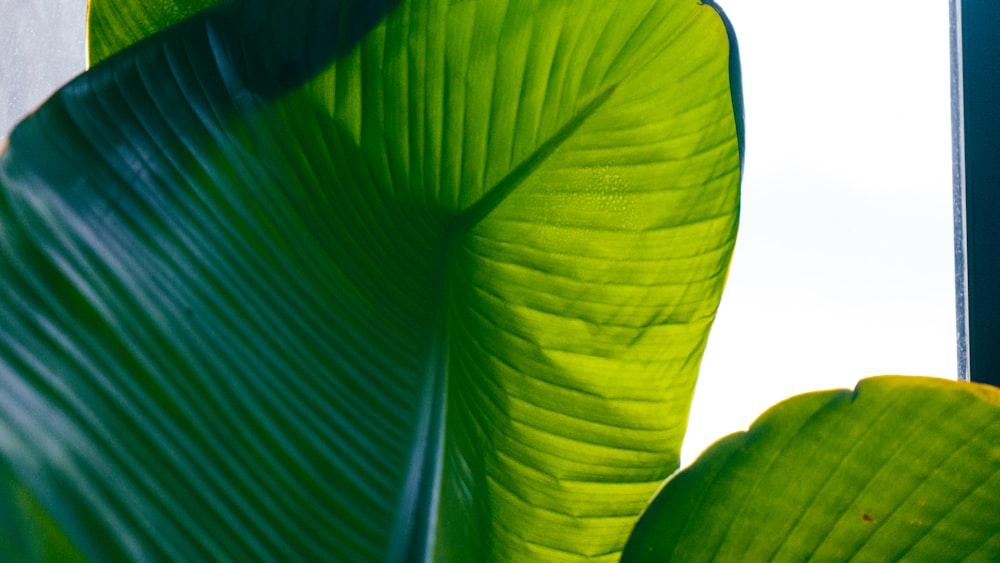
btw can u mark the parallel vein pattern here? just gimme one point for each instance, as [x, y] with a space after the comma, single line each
[904, 468]
[595, 190]
[446, 300]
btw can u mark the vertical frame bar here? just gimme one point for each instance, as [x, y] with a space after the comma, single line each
[958, 188]
[976, 144]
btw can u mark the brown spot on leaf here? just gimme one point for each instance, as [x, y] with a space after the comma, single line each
[867, 517]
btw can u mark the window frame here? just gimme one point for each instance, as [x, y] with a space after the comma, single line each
[975, 85]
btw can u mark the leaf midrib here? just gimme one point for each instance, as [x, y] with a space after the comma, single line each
[475, 213]
[415, 524]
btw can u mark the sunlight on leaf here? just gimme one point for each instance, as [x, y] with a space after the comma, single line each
[444, 299]
[903, 468]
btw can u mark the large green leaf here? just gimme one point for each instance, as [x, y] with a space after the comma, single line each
[903, 468]
[448, 299]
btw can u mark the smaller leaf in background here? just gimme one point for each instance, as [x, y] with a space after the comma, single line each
[115, 25]
[903, 468]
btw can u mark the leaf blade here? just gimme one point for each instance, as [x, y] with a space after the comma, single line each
[269, 283]
[902, 467]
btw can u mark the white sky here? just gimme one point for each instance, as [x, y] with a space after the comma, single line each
[37, 60]
[844, 265]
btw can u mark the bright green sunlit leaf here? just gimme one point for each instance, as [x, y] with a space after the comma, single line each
[447, 299]
[902, 469]
[112, 26]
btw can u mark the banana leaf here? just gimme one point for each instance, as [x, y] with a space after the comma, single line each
[901, 469]
[362, 281]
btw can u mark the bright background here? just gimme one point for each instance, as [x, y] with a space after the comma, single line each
[43, 46]
[844, 263]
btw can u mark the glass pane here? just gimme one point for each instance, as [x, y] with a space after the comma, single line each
[844, 266]
[43, 47]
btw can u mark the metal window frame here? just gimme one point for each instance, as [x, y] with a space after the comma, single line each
[975, 84]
